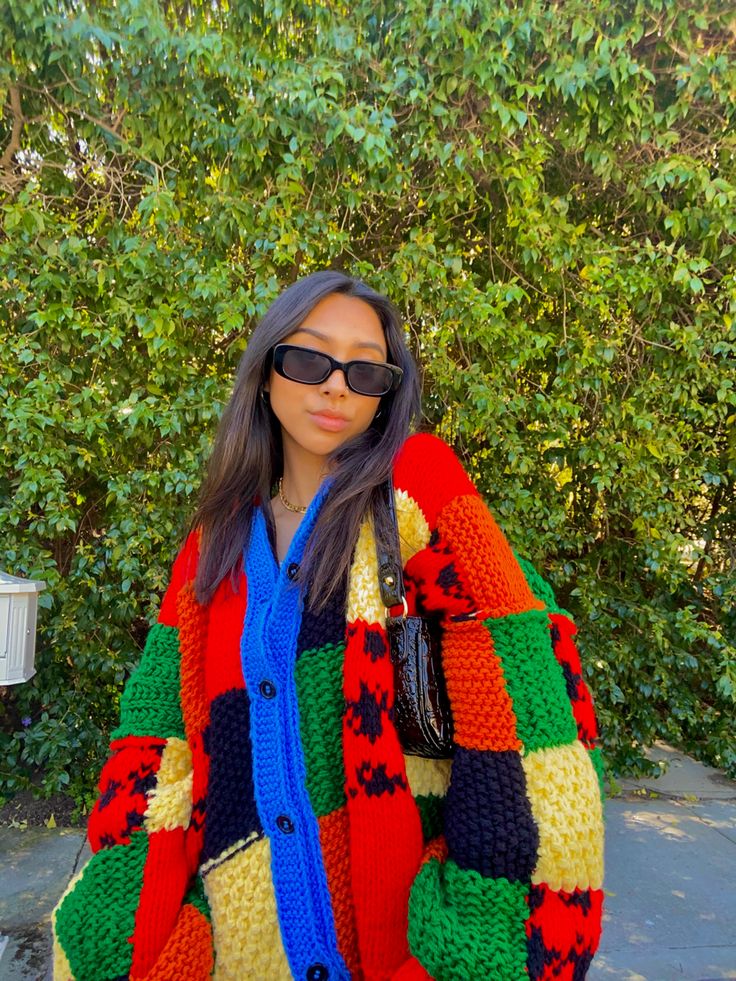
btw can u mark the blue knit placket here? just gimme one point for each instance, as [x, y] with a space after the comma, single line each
[268, 652]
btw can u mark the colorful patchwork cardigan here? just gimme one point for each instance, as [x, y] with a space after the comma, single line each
[257, 818]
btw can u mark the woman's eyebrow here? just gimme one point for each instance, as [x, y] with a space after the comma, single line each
[324, 337]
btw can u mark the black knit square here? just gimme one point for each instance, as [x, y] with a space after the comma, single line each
[488, 817]
[325, 627]
[231, 807]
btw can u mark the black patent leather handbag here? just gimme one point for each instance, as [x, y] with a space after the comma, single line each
[421, 706]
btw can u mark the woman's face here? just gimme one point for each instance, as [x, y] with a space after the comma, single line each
[316, 419]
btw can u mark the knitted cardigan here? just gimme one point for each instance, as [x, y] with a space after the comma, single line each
[257, 818]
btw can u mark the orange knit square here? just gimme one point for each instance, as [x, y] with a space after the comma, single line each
[436, 849]
[192, 644]
[481, 707]
[188, 951]
[184, 570]
[334, 836]
[488, 565]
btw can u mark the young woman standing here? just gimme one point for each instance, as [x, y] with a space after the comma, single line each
[257, 816]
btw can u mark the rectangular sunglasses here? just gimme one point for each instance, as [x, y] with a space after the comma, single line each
[310, 367]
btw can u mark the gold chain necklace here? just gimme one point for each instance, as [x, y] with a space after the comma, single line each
[287, 504]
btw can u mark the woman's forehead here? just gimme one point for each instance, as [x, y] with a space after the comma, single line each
[345, 321]
[346, 336]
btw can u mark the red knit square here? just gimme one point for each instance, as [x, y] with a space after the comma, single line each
[124, 782]
[428, 462]
[563, 932]
[223, 668]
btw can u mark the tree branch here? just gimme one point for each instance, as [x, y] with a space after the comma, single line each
[16, 110]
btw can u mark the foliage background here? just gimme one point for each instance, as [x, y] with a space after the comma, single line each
[546, 189]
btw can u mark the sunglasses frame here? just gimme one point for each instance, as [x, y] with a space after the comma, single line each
[281, 350]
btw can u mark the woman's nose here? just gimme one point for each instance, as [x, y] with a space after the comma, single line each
[336, 382]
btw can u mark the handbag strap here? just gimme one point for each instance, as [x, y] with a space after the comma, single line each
[390, 575]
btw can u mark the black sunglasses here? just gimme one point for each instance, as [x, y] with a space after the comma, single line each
[303, 364]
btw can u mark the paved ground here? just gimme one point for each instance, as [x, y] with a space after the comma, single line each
[670, 882]
[35, 867]
[670, 910]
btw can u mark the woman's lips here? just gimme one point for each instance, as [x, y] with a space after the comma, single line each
[332, 424]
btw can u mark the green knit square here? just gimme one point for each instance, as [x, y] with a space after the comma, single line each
[198, 898]
[596, 758]
[321, 704]
[150, 704]
[94, 921]
[431, 811]
[464, 926]
[539, 586]
[534, 679]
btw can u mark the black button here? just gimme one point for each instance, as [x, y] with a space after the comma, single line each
[267, 689]
[292, 571]
[317, 972]
[284, 824]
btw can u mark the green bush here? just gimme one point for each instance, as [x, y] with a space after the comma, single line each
[547, 191]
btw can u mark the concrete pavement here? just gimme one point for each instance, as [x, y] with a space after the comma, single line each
[670, 891]
[670, 910]
[35, 866]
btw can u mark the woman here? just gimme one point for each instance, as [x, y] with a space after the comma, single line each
[257, 818]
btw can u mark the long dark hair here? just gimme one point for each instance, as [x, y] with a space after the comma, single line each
[247, 457]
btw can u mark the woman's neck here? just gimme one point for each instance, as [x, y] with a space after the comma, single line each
[303, 474]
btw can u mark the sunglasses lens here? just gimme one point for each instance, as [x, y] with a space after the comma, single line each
[308, 367]
[311, 368]
[369, 379]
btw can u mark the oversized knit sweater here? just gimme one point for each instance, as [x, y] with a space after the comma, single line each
[257, 818]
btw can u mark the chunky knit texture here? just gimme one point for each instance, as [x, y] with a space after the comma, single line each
[257, 818]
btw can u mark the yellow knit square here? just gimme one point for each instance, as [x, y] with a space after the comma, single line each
[427, 776]
[414, 531]
[245, 924]
[364, 595]
[566, 805]
[61, 969]
[170, 801]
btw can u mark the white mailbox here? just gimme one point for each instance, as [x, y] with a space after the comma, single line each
[18, 605]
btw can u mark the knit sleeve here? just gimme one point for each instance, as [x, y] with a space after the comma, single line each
[511, 886]
[136, 909]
